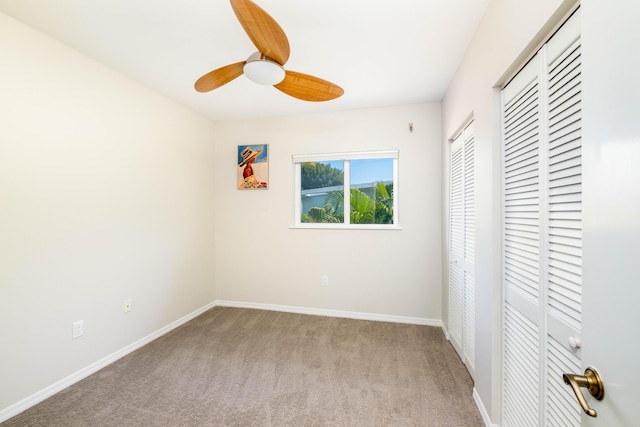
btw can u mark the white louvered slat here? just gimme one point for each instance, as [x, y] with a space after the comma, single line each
[457, 203]
[565, 188]
[521, 147]
[456, 305]
[520, 390]
[469, 247]
[521, 253]
[561, 408]
[469, 324]
[469, 201]
[461, 319]
[456, 247]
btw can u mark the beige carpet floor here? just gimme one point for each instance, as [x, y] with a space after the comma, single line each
[243, 367]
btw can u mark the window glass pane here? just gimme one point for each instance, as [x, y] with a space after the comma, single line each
[346, 190]
[322, 191]
[371, 192]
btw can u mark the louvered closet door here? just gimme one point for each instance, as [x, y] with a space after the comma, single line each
[542, 212]
[456, 246]
[469, 250]
[462, 247]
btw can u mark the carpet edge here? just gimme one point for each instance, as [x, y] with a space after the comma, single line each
[334, 313]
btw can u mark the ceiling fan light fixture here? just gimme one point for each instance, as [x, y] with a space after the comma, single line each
[262, 70]
[265, 67]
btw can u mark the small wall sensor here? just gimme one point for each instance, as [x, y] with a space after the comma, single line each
[410, 127]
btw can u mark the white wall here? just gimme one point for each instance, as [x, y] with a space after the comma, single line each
[508, 33]
[106, 193]
[260, 259]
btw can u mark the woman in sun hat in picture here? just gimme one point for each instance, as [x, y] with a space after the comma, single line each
[249, 179]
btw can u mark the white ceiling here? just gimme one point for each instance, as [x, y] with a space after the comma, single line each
[381, 52]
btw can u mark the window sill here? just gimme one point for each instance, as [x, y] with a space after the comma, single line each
[345, 227]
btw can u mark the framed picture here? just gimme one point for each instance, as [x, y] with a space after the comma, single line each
[253, 167]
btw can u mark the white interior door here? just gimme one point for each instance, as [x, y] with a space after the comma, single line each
[611, 339]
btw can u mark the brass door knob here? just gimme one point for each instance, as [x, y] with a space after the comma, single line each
[591, 381]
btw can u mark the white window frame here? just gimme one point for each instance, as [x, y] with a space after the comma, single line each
[298, 159]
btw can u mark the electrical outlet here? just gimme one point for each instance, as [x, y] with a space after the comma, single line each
[325, 281]
[78, 329]
[127, 305]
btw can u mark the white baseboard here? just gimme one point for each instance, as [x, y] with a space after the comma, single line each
[482, 409]
[49, 391]
[446, 332]
[333, 313]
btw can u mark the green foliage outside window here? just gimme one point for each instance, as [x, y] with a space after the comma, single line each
[372, 206]
[320, 175]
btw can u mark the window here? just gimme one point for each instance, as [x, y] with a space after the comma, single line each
[346, 190]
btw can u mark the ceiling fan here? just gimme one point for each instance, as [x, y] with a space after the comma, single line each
[266, 66]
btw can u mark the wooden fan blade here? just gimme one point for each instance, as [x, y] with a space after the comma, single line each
[308, 88]
[263, 30]
[218, 77]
